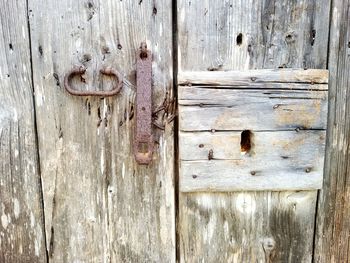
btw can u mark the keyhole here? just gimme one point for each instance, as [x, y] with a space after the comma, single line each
[246, 142]
[239, 39]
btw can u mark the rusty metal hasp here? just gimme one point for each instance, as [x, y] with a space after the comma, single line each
[143, 141]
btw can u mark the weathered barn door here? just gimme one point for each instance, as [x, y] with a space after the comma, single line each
[242, 226]
[100, 205]
[234, 178]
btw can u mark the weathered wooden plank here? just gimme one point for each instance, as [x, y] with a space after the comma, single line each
[22, 237]
[292, 146]
[247, 77]
[238, 175]
[237, 35]
[332, 242]
[265, 85]
[247, 226]
[292, 34]
[100, 205]
[203, 109]
[277, 161]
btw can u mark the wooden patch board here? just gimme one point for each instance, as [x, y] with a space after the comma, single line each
[285, 112]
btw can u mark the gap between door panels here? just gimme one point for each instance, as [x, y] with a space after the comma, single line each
[176, 129]
[36, 133]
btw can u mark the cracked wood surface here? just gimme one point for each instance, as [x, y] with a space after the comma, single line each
[210, 108]
[257, 78]
[22, 237]
[100, 205]
[241, 35]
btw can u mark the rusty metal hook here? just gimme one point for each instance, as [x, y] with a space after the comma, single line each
[105, 71]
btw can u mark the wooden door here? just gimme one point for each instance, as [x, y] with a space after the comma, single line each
[70, 188]
[99, 204]
[218, 36]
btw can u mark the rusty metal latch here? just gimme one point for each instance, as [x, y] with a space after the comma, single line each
[106, 71]
[143, 138]
[143, 141]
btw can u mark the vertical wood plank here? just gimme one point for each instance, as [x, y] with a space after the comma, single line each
[247, 226]
[100, 205]
[238, 35]
[21, 213]
[252, 34]
[332, 242]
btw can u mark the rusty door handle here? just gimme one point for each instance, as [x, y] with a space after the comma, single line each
[105, 71]
[143, 141]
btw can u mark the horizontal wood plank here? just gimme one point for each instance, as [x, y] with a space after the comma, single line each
[246, 77]
[285, 160]
[296, 148]
[239, 175]
[203, 109]
[264, 85]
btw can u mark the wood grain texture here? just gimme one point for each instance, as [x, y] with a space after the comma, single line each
[278, 161]
[205, 109]
[22, 237]
[273, 34]
[332, 243]
[247, 226]
[100, 205]
[287, 34]
[248, 77]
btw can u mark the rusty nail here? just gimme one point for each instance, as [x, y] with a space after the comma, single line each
[143, 51]
[211, 154]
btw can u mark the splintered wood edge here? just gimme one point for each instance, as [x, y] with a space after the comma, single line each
[248, 77]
